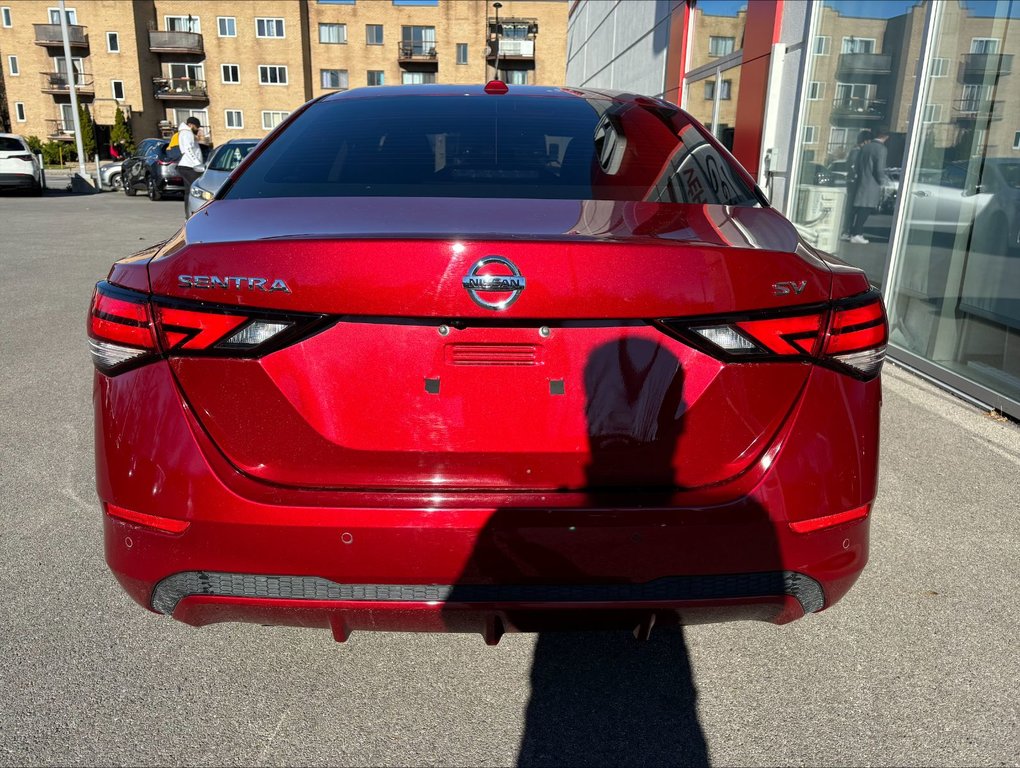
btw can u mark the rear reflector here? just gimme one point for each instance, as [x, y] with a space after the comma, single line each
[850, 334]
[164, 524]
[817, 523]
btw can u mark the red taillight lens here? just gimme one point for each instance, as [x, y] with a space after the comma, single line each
[850, 333]
[120, 328]
[26, 158]
[128, 328]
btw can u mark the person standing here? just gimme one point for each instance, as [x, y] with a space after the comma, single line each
[871, 178]
[191, 165]
[851, 182]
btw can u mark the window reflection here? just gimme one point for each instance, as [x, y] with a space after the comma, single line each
[711, 93]
[956, 292]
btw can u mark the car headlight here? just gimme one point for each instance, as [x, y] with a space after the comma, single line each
[201, 194]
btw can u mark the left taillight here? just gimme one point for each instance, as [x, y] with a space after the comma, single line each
[128, 328]
[120, 330]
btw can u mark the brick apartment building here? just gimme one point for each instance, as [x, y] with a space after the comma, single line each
[241, 67]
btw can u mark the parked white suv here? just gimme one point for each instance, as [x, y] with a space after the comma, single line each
[19, 168]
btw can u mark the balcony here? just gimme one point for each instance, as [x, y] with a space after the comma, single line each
[49, 34]
[517, 50]
[59, 83]
[179, 89]
[984, 64]
[975, 110]
[855, 108]
[176, 42]
[865, 64]
[417, 52]
[60, 130]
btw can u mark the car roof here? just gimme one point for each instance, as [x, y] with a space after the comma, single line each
[544, 91]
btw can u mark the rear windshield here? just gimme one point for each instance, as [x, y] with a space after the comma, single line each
[229, 156]
[10, 144]
[494, 146]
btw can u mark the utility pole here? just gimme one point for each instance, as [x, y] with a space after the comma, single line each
[72, 78]
[499, 47]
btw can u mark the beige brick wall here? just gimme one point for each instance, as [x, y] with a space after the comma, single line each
[455, 21]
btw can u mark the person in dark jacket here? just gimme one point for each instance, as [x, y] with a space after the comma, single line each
[851, 181]
[871, 177]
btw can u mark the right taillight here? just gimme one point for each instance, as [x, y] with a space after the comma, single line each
[128, 328]
[850, 334]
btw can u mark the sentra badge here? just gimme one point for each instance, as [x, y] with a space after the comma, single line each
[236, 283]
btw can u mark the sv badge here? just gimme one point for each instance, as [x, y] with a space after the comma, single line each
[787, 287]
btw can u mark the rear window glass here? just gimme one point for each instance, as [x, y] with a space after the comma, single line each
[494, 146]
[229, 156]
[10, 144]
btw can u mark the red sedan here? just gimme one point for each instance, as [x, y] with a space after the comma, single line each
[486, 359]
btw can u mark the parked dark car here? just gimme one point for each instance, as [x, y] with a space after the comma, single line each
[151, 170]
[815, 173]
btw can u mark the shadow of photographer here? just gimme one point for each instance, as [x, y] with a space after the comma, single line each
[600, 697]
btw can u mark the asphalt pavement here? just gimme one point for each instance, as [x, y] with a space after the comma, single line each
[918, 665]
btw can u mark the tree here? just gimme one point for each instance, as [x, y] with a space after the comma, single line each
[88, 132]
[120, 135]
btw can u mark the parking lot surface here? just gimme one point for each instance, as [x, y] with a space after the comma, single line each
[918, 665]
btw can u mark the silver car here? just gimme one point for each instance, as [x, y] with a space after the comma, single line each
[225, 159]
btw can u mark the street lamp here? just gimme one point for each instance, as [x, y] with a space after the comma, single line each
[497, 6]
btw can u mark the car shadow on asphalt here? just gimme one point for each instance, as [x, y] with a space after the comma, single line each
[602, 697]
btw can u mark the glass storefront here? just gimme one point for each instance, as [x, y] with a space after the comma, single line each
[924, 196]
[713, 76]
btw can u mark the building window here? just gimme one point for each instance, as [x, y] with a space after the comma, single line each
[182, 23]
[1016, 140]
[932, 113]
[940, 67]
[720, 46]
[515, 76]
[70, 13]
[226, 26]
[12, 66]
[418, 41]
[376, 77]
[112, 42]
[234, 118]
[462, 53]
[838, 138]
[19, 112]
[186, 77]
[810, 134]
[373, 34]
[334, 34]
[5, 13]
[984, 45]
[823, 44]
[816, 90]
[418, 78]
[117, 87]
[269, 28]
[858, 45]
[725, 90]
[230, 73]
[270, 74]
[272, 119]
[333, 79]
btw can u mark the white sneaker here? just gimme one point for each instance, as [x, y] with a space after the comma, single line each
[859, 240]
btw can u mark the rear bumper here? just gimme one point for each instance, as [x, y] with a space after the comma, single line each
[485, 562]
[18, 180]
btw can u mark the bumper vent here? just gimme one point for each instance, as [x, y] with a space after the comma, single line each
[171, 590]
